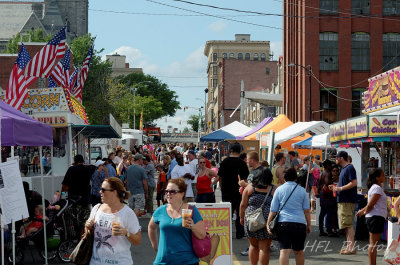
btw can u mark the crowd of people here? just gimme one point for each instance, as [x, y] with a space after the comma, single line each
[187, 174]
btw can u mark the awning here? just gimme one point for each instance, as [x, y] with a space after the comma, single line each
[316, 142]
[299, 128]
[218, 135]
[262, 124]
[266, 99]
[96, 131]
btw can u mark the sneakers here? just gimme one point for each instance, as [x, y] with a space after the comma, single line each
[323, 233]
[234, 217]
[245, 253]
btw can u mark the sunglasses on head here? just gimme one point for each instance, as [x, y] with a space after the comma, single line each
[104, 190]
[172, 192]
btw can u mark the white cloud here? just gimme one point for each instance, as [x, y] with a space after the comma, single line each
[218, 26]
[276, 48]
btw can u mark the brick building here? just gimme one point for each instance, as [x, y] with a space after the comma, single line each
[257, 76]
[344, 42]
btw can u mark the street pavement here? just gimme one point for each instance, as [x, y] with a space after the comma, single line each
[318, 250]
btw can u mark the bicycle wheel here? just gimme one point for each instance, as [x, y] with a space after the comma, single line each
[65, 249]
[19, 256]
[51, 254]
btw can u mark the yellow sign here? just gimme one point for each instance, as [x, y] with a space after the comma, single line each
[337, 131]
[55, 121]
[383, 125]
[217, 220]
[41, 101]
[357, 127]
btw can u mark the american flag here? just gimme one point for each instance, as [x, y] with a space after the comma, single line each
[52, 84]
[60, 73]
[17, 88]
[77, 92]
[43, 61]
[73, 79]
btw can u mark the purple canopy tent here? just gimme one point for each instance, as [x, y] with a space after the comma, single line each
[259, 126]
[20, 129]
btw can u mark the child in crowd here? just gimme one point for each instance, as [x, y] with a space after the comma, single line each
[161, 184]
[35, 225]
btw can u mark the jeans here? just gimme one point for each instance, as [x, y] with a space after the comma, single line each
[205, 197]
[325, 210]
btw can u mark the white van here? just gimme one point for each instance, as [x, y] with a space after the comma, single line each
[100, 148]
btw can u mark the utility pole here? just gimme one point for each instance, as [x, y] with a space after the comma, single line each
[242, 102]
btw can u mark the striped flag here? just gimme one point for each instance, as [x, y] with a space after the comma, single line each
[60, 73]
[82, 75]
[73, 79]
[17, 88]
[43, 61]
[52, 84]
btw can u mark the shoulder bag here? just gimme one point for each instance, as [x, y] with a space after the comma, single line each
[255, 219]
[273, 225]
[201, 247]
[82, 254]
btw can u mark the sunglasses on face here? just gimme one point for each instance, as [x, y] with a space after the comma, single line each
[335, 170]
[202, 162]
[104, 190]
[172, 192]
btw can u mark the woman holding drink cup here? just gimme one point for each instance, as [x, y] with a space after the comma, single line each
[115, 225]
[177, 222]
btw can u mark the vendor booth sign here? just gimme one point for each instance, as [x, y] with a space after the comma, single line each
[383, 91]
[337, 131]
[217, 220]
[382, 125]
[53, 120]
[357, 127]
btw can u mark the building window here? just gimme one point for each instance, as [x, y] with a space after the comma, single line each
[267, 70]
[328, 51]
[356, 104]
[224, 55]
[328, 107]
[255, 57]
[247, 56]
[391, 7]
[360, 7]
[215, 70]
[328, 6]
[263, 57]
[215, 56]
[240, 56]
[360, 51]
[231, 55]
[214, 83]
[391, 50]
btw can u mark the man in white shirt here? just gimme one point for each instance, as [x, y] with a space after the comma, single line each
[184, 171]
[194, 163]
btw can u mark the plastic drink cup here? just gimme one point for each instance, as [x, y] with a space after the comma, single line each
[116, 223]
[334, 193]
[186, 213]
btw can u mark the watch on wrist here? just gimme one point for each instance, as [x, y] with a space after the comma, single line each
[128, 234]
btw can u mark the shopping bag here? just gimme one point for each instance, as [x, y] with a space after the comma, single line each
[392, 253]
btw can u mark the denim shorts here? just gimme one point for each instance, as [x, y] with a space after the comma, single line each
[291, 235]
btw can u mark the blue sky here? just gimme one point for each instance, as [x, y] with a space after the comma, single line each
[171, 46]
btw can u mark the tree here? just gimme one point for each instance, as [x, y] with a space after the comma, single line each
[148, 85]
[194, 122]
[95, 92]
[185, 130]
[36, 35]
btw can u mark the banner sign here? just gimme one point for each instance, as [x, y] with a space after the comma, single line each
[44, 100]
[218, 222]
[357, 127]
[53, 120]
[337, 131]
[383, 91]
[382, 125]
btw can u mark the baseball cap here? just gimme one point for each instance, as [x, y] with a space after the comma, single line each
[191, 152]
[99, 163]
[318, 157]
[159, 165]
[342, 154]
[137, 157]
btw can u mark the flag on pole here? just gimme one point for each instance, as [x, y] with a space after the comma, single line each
[81, 78]
[17, 87]
[73, 79]
[60, 73]
[52, 84]
[141, 121]
[42, 63]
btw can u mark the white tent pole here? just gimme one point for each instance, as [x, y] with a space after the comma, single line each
[44, 208]
[2, 239]
[13, 240]
[309, 168]
[12, 151]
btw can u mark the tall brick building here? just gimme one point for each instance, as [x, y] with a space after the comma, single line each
[344, 42]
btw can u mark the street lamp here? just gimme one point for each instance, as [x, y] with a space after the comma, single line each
[308, 68]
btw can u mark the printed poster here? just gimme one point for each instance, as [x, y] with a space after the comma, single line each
[12, 195]
[218, 222]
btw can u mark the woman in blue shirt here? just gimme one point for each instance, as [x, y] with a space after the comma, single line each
[175, 243]
[294, 221]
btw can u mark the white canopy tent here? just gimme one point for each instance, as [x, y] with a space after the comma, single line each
[321, 141]
[236, 128]
[317, 127]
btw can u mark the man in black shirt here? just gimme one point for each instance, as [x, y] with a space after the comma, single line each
[77, 183]
[231, 171]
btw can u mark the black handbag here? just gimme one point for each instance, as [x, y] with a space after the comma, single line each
[82, 254]
[273, 225]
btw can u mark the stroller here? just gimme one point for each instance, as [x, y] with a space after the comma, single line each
[60, 234]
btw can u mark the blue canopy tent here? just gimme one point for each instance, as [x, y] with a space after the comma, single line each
[218, 135]
[304, 144]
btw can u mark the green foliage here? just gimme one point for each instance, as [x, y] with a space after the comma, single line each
[185, 130]
[193, 121]
[36, 35]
